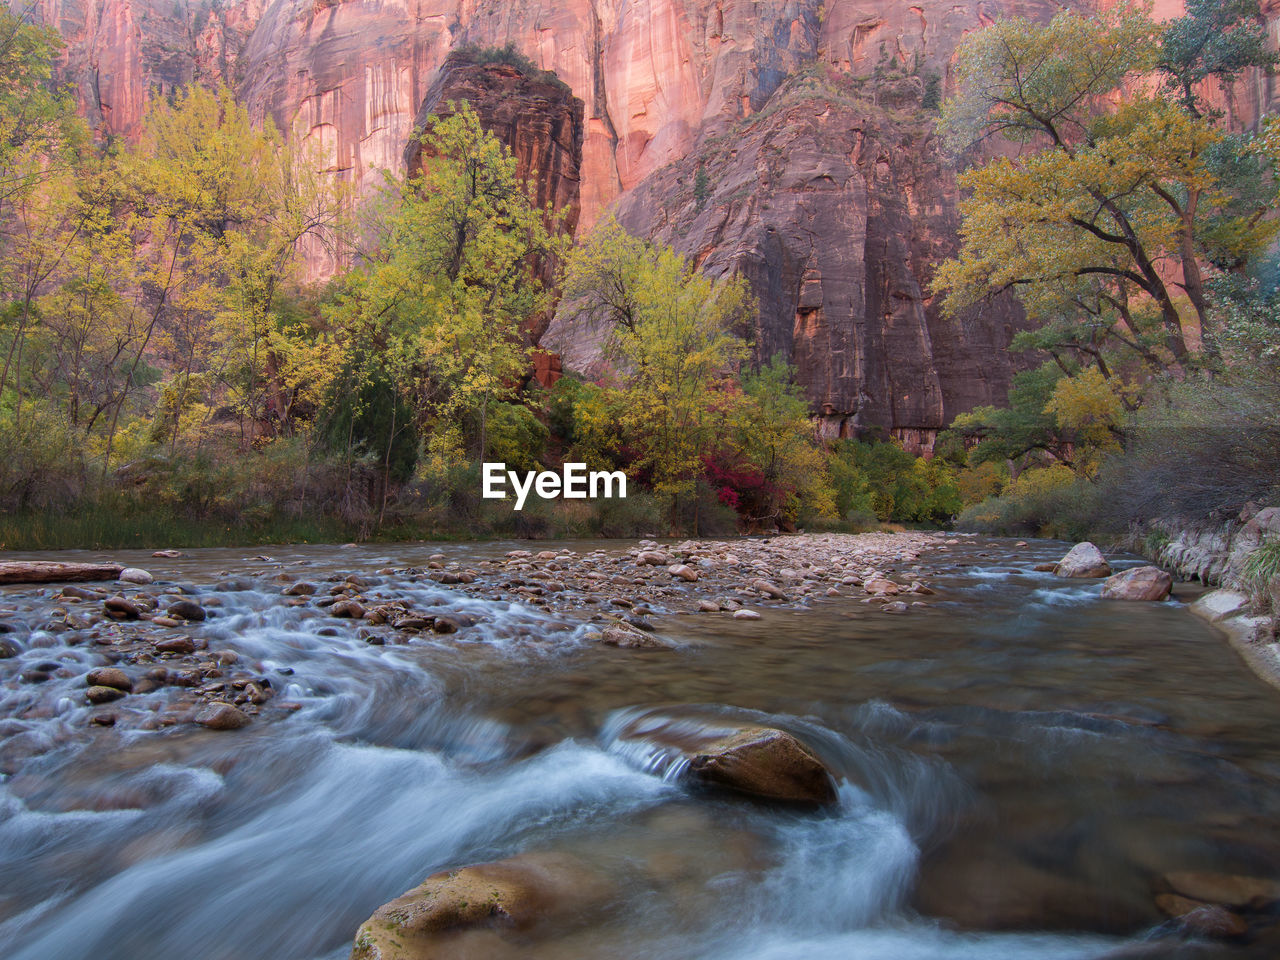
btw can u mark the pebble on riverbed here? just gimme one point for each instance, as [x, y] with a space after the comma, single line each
[222, 716]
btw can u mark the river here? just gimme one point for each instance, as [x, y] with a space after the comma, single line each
[1020, 764]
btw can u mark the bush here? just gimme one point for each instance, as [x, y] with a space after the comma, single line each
[636, 515]
[1042, 502]
[891, 483]
[515, 436]
[1262, 574]
[1203, 445]
[42, 466]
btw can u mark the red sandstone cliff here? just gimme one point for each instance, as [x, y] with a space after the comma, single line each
[836, 210]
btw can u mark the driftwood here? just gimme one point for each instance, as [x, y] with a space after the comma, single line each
[53, 571]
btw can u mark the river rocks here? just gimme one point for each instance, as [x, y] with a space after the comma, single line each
[9, 648]
[519, 893]
[186, 610]
[178, 645]
[135, 575]
[300, 589]
[167, 554]
[72, 592]
[682, 576]
[1084, 560]
[220, 715]
[708, 606]
[894, 606]
[763, 763]
[100, 694]
[746, 615]
[118, 608]
[1140, 583]
[621, 634]
[1202, 919]
[349, 609]
[1234, 890]
[881, 587]
[109, 677]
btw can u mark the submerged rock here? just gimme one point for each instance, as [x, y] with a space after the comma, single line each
[1082, 561]
[118, 608]
[976, 884]
[186, 610]
[520, 893]
[104, 694]
[1234, 890]
[1202, 919]
[1140, 583]
[622, 634]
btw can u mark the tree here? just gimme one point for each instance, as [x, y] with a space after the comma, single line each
[447, 280]
[40, 144]
[1214, 38]
[226, 207]
[770, 467]
[1104, 197]
[670, 331]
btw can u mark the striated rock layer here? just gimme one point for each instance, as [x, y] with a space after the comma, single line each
[837, 211]
[836, 203]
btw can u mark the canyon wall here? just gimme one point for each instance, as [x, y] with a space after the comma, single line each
[705, 124]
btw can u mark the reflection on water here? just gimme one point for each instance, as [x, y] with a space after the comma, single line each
[1020, 734]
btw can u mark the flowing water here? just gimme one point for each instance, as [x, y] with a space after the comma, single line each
[1020, 735]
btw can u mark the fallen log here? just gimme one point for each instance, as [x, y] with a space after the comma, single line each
[55, 571]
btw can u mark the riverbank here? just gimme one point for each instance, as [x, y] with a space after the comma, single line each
[1215, 552]
[156, 649]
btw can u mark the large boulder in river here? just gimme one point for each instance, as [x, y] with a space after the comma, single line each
[1083, 560]
[457, 913]
[765, 763]
[1140, 583]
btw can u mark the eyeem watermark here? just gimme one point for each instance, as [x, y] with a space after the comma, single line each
[572, 483]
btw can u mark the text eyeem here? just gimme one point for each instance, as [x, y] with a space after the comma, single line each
[574, 482]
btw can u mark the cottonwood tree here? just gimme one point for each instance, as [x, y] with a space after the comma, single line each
[225, 206]
[41, 140]
[1117, 192]
[438, 304]
[670, 330]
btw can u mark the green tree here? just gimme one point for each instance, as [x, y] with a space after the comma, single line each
[670, 331]
[1214, 38]
[1100, 192]
[227, 208]
[448, 280]
[771, 431]
[41, 140]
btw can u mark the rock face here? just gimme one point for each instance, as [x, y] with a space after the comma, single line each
[1140, 583]
[538, 118]
[837, 211]
[785, 139]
